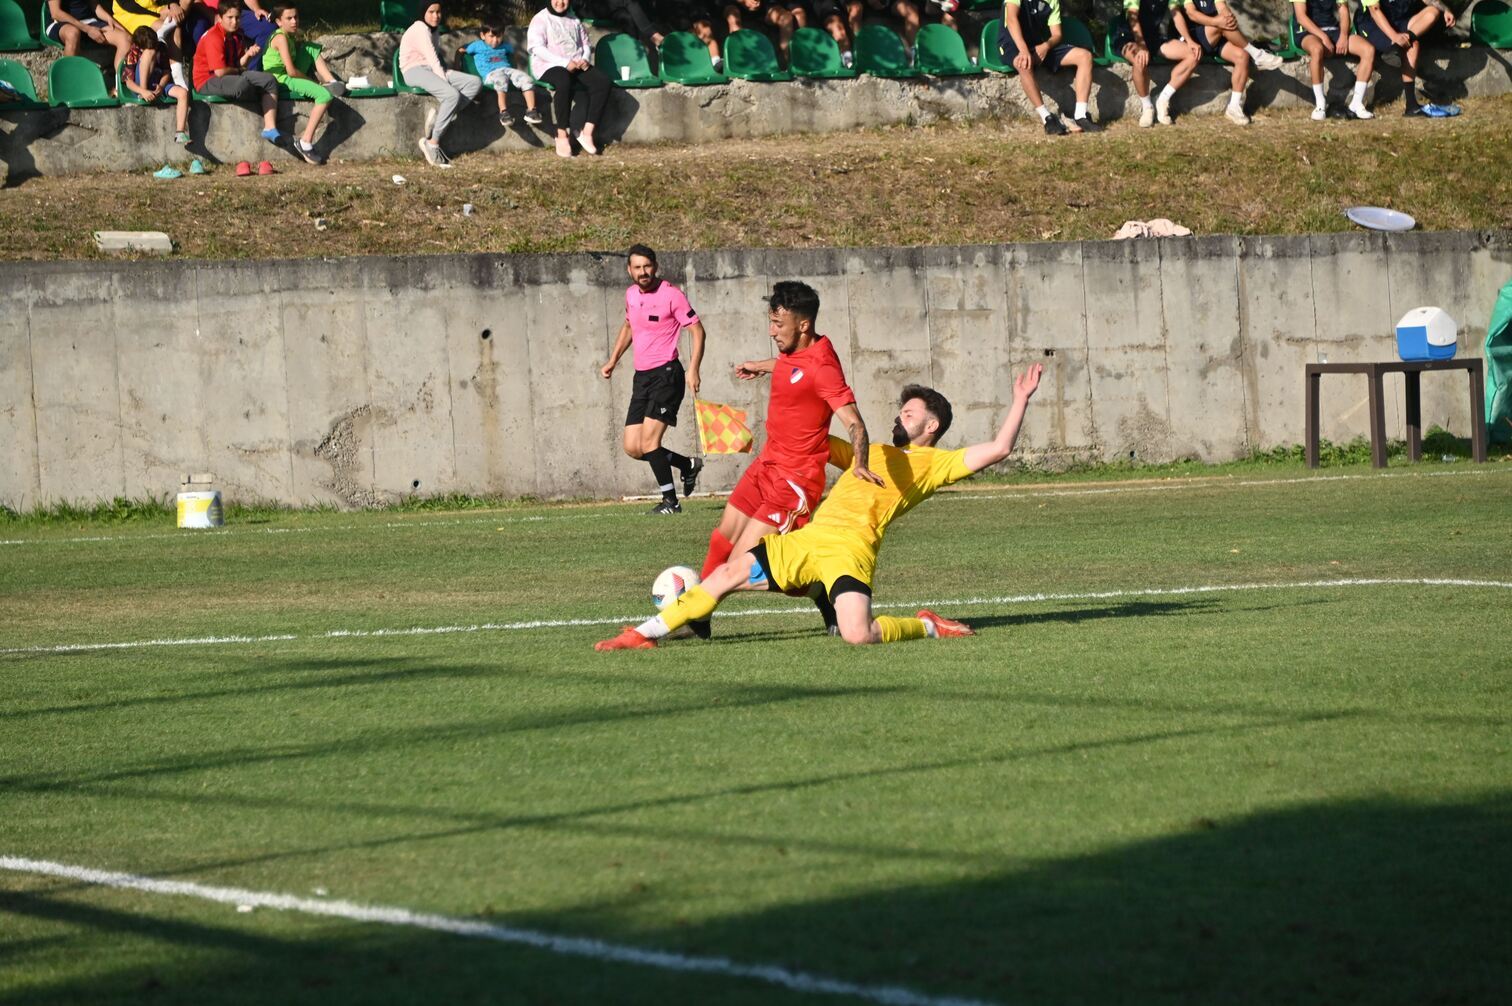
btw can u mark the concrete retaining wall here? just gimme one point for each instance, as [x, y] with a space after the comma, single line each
[64, 141]
[357, 381]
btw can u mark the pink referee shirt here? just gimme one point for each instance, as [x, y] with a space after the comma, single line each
[655, 320]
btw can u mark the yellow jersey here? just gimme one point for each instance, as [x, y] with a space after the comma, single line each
[910, 475]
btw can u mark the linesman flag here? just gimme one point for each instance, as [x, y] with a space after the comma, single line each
[722, 428]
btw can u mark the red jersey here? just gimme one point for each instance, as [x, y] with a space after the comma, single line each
[807, 387]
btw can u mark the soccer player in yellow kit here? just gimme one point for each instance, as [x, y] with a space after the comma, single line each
[838, 548]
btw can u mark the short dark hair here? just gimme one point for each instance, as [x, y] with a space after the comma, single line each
[795, 297]
[226, 5]
[278, 9]
[144, 38]
[936, 404]
[643, 251]
[492, 25]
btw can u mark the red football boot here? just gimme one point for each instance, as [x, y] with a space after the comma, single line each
[944, 627]
[629, 639]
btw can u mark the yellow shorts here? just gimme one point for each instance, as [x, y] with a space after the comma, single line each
[818, 554]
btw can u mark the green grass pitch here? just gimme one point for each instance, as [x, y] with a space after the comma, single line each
[1298, 791]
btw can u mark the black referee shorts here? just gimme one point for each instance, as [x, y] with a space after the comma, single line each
[657, 394]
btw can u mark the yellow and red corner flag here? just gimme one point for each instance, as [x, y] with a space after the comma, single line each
[722, 428]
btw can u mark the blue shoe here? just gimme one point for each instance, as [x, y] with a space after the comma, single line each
[273, 136]
[1438, 111]
[196, 168]
[168, 171]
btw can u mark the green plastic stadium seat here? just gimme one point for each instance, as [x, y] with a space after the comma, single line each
[1074, 31]
[685, 60]
[209, 99]
[370, 92]
[942, 52]
[1491, 24]
[988, 54]
[78, 83]
[44, 21]
[815, 53]
[617, 52]
[749, 55]
[1286, 46]
[15, 33]
[395, 15]
[400, 87]
[15, 75]
[880, 53]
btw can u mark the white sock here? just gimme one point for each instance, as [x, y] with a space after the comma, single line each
[1044, 113]
[1081, 110]
[1166, 94]
[1359, 91]
[653, 628]
[930, 629]
[306, 146]
[1236, 99]
[1147, 101]
[1318, 95]
[1253, 50]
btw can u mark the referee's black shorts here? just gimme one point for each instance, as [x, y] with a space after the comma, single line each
[657, 394]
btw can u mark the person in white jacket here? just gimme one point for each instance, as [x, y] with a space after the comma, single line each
[420, 62]
[560, 56]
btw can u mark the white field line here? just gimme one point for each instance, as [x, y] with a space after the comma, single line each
[1008, 492]
[598, 950]
[563, 623]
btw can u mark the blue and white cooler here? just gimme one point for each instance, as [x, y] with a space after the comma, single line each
[1426, 333]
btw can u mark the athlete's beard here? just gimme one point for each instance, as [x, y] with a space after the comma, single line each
[900, 434]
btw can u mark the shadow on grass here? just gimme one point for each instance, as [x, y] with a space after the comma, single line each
[1370, 901]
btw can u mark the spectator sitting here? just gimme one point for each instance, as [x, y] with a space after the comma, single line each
[1032, 37]
[145, 73]
[297, 64]
[1322, 30]
[420, 59]
[906, 11]
[1147, 29]
[559, 56]
[1213, 26]
[1401, 25]
[494, 59]
[170, 30]
[676, 15]
[257, 24]
[220, 68]
[73, 21]
[787, 16]
[842, 19]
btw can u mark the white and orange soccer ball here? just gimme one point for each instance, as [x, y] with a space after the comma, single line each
[670, 584]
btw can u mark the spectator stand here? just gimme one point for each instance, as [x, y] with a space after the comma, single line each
[1491, 24]
[879, 52]
[685, 60]
[941, 52]
[617, 53]
[17, 76]
[750, 55]
[76, 82]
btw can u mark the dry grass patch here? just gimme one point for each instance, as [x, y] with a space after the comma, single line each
[984, 183]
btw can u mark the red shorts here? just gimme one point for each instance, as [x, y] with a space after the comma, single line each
[777, 495]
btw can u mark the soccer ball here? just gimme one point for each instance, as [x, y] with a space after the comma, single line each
[670, 584]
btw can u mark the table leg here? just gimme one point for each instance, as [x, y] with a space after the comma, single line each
[1377, 421]
[1413, 388]
[1310, 420]
[1478, 412]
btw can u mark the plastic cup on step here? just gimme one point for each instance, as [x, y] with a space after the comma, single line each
[624, 73]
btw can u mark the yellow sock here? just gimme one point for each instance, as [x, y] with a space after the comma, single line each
[895, 630]
[695, 603]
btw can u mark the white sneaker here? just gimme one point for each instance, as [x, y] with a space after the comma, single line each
[1163, 111]
[586, 142]
[1236, 115]
[1269, 61]
[1147, 116]
[847, 59]
[430, 121]
[1319, 113]
[432, 154]
[1361, 112]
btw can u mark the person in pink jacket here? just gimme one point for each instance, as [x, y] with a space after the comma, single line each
[559, 56]
[420, 61]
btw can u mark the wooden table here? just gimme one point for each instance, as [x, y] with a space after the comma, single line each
[1412, 372]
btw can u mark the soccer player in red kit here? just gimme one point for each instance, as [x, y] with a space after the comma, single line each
[784, 482]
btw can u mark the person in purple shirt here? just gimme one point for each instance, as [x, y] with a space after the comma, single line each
[656, 312]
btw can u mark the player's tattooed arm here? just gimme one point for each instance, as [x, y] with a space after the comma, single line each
[752, 369]
[860, 443]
